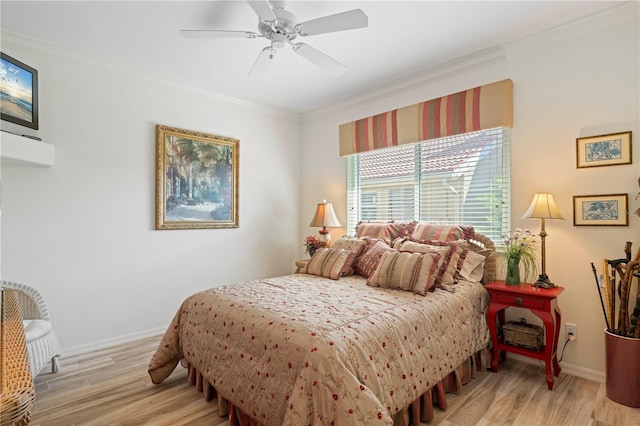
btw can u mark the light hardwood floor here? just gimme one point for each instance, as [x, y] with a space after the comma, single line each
[112, 387]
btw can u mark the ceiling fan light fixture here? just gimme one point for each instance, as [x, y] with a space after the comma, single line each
[278, 41]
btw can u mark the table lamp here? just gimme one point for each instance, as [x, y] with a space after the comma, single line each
[543, 207]
[325, 217]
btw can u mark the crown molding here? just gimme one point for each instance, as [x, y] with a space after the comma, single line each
[432, 75]
[612, 17]
[38, 47]
[463, 65]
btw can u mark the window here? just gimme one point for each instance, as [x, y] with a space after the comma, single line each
[462, 179]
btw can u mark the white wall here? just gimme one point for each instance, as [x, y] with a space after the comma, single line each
[82, 232]
[579, 80]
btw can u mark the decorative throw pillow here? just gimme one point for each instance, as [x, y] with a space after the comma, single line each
[406, 271]
[367, 262]
[443, 251]
[398, 243]
[330, 263]
[457, 254]
[387, 275]
[436, 232]
[468, 232]
[350, 243]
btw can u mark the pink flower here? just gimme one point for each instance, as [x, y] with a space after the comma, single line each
[312, 243]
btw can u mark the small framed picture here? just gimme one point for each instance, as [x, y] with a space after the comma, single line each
[600, 210]
[604, 150]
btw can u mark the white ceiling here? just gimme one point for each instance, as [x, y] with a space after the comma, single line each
[402, 39]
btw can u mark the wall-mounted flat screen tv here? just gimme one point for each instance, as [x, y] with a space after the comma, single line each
[18, 92]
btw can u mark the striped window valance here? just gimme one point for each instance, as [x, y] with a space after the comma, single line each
[480, 108]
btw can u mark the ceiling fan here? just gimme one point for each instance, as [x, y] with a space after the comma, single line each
[280, 27]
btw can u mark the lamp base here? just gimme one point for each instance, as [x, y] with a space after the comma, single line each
[544, 282]
[325, 235]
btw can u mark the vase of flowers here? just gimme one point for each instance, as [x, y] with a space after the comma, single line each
[311, 244]
[520, 249]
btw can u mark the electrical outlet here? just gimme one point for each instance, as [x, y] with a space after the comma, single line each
[570, 331]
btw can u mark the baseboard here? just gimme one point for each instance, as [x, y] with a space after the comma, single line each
[105, 343]
[574, 370]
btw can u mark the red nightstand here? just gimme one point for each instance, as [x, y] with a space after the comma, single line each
[541, 302]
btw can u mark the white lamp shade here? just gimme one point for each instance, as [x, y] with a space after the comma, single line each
[325, 216]
[543, 207]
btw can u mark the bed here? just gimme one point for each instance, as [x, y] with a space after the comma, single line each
[309, 349]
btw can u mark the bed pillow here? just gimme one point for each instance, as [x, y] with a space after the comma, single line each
[330, 263]
[437, 232]
[367, 262]
[473, 266]
[413, 272]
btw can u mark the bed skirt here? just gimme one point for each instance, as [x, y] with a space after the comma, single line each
[421, 408]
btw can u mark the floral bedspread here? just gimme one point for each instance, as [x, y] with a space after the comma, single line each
[302, 349]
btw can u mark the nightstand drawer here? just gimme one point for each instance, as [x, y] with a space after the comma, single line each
[519, 301]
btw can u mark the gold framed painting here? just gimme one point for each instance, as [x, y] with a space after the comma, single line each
[604, 150]
[196, 180]
[600, 210]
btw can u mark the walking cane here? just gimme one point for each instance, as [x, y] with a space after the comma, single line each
[595, 274]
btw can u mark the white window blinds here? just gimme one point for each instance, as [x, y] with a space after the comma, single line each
[461, 180]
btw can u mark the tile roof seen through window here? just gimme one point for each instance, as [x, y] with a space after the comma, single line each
[437, 155]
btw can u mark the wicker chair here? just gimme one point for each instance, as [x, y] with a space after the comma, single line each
[42, 343]
[17, 391]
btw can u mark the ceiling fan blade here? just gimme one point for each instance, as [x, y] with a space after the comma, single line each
[318, 58]
[263, 10]
[349, 20]
[218, 34]
[263, 61]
